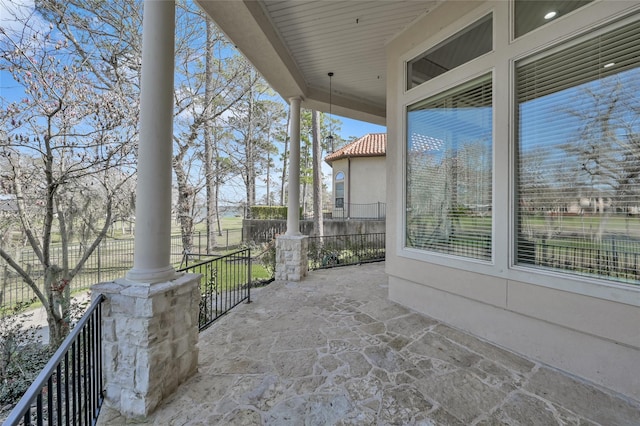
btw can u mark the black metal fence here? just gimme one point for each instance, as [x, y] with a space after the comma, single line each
[225, 282]
[111, 260]
[228, 239]
[467, 244]
[614, 258]
[69, 390]
[373, 211]
[343, 250]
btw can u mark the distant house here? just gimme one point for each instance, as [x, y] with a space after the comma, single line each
[359, 178]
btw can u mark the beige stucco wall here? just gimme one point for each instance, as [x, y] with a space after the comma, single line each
[587, 327]
[365, 181]
[368, 180]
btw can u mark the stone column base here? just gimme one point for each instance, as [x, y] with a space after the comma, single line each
[292, 261]
[149, 338]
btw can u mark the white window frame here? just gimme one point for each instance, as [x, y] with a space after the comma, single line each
[501, 63]
[404, 230]
[458, 76]
[561, 280]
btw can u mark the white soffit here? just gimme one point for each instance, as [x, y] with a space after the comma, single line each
[296, 43]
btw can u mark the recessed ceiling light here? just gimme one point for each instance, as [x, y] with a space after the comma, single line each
[550, 15]
[609, 65]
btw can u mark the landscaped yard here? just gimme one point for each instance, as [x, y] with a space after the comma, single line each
[114, 257]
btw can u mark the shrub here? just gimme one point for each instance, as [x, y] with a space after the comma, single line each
[268, 257]
[22, 356]
[270, 212]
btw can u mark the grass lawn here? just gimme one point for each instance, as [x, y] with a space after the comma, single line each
[620, 224]
[232, 222]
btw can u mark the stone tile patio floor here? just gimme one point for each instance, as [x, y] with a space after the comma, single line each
[333, 350]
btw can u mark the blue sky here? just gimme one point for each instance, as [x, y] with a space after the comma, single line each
[358, 128]
[348, 129]
[11, 91]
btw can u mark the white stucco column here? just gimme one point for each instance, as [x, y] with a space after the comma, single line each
[150, 319]
[151, 260]
[291, 248]
[293, 206]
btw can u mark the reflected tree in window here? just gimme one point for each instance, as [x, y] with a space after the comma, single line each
[449, 172]
[578, 157]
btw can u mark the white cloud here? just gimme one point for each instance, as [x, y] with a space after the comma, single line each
[15, 13]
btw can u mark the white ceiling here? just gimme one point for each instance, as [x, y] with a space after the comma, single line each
[307, 39]
[344, 37]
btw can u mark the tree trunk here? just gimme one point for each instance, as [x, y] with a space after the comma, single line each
[250, 161]
[216, 189]
[186, 193]
[268, 168]
[304, 178]
[318, 229]
[58, 306]
[208, 140]
[284, 162]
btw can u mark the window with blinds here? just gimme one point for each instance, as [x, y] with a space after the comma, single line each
[449, 172]
[578, 157]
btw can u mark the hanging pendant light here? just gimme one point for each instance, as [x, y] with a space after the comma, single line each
[328, 141]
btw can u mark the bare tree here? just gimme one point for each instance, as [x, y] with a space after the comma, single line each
[606, 147]
[206, 88]
[252, 123]
[209, 142]
[318, 228]
[307, 149]
[285, 154]
[73, 125]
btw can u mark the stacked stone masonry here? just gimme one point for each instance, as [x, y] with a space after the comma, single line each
[150, 337]
[292, 261]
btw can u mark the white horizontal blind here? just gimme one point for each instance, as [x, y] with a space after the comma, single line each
[449, 172]
[578, 167]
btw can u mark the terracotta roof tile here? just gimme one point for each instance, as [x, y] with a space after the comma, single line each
[370, 145]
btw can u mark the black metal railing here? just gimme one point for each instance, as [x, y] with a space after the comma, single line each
[69, 390]
[373, 211]
[342, 250]
[111, 260]
[225, 282]
[227, 239]
[614, 258]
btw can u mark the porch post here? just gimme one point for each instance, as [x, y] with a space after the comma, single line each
[150, 319]
[291, 248]
[151, 258]
[293, 206]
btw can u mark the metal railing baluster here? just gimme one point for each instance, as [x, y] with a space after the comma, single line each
[68, 395]
[223, 283]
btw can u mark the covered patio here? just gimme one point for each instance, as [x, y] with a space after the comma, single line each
[333, 349]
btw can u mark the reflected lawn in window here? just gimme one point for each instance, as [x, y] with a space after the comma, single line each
[578, 168]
